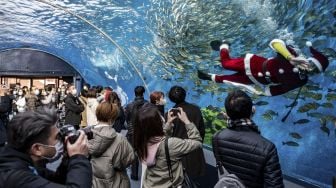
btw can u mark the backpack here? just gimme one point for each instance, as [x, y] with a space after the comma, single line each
[226, 180]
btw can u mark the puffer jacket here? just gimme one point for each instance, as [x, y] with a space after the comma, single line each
[110, 154]
[253, 158]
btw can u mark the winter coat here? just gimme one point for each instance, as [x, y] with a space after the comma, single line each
[73, 110]
[251, 157]
[21, 104]
[129, 114]
[119, 123]
[31, 102]
[17, 171]
[84, 101]
[157, 175]
[110, 154]
[194, 162]
[91, 107]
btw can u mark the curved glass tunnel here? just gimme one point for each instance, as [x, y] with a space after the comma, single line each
[161, 43]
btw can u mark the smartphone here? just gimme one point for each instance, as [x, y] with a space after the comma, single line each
[175, 111]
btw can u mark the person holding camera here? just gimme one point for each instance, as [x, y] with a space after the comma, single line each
[73, 108]
[194, 162]
[110, 152]
[151, 142]
[33, 140]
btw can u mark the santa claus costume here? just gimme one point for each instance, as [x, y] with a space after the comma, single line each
[276, 75]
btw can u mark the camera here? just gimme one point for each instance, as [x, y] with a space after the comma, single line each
[175, 111]
[73, 134]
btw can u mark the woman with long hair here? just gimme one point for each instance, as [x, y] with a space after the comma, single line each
[110, 152]
[150, 135]
[119, 123]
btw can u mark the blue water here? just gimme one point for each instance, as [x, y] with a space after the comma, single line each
[161, 43]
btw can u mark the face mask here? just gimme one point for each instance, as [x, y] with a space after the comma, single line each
[37, 92]
[163, 102]
[20, 92]
[14, 92]
[58, 151]
[74, 92]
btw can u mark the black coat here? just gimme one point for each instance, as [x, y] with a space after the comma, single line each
[17, 171]
[73, 110]
[253, 158]
[194, 162]
[129, 114]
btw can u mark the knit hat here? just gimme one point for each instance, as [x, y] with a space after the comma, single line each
[319, 60]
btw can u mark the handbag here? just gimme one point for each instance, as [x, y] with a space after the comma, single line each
[187, 182]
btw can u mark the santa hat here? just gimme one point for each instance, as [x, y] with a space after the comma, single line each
[319, 60]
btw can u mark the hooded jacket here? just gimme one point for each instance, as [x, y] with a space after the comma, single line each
[157, 174]
[17, 171]
[110, 154]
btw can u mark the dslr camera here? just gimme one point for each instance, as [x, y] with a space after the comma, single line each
[73, 134]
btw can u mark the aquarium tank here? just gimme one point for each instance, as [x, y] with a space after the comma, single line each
[162, 43]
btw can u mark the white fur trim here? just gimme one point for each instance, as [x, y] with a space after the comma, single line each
[309, 44]
[213, 77]
[276, 40]
[281, 71]
[268, 91]
[243, 87]
[224, 46]
[248, 72]
[268, 73]
[260, 74]
[296, 70]
[316, 63]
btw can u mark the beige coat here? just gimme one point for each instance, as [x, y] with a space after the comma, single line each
[157, 175]
[110, 154]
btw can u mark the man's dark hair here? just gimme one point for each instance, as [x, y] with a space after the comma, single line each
[31, 127]
[177, 94]
[139, 91]
[238, 105]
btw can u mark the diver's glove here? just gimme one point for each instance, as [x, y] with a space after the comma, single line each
[216, 44]
[203, 76]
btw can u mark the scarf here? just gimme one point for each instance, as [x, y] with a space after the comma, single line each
[244, 122]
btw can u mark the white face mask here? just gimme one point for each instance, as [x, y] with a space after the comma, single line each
[20, 92]
[74, 92]
[163, 102]
[58, 151]
[14, 92]
[37, 92]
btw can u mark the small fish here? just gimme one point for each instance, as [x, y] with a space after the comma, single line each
[301, 121]
[327, 105]
[290, 143]
[261, 103]
[313, 87]
[331, 96]
[295, 135]
[308, 106]
[331, 90]
[325, 129]
[315, 114]
[272, 112]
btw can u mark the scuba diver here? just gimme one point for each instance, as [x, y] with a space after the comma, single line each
[276, 75]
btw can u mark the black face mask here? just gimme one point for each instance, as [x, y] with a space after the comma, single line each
[161, 109]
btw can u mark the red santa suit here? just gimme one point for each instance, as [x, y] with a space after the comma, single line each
[277, 75]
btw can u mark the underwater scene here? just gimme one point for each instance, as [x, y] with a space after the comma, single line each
[161, 43]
